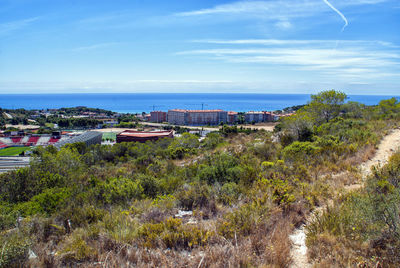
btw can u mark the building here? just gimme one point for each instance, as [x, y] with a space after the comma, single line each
[232, 117]
[142, 136]
[197, 117]
[158, 117]
[110, 122]
[258, 117]
[254, 117]
[269, 117]
[177, 117]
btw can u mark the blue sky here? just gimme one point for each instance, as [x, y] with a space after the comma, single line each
[274, 46]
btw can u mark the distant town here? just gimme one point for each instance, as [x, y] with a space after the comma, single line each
[211, 117]
[22, 131]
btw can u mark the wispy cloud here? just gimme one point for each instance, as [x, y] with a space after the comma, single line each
[280, 11]
[270, 9]
[293, 8]
[355, 58]
[284, 24]
[271, 42]
[11, 26]
[95, 46]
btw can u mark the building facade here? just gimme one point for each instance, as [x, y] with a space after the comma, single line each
[177, 117]
[232, 117]
[258, 117]
[158, 117]
[197, 117]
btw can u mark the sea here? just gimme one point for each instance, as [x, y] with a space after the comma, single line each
[146, 102]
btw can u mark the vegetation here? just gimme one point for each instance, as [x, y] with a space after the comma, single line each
[13, 151]
[232, 198]
[63, 117]
[109, 136]
[364, 223]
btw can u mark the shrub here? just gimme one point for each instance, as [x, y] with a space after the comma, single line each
[300, 151]
[119, 190]
[76, 248]
[229, 193]
[195, 195]
[172, 234]
[14, 249]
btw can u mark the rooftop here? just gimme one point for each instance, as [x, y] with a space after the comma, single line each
[258, 112]
[144, 134]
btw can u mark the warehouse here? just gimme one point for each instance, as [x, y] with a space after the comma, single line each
[142, 136]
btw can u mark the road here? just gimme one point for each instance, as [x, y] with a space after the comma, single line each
[13, 162]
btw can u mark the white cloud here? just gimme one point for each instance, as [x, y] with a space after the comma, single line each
[270, 9]
[281, 12]
[272, 42]
[9, 27]
[283, 24]
[276, 8]
[368, 59]
[95, 46]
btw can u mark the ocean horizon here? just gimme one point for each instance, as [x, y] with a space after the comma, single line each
[146, 102]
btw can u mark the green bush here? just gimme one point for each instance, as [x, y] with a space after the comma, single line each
[14, 249]
[172, 234]
[49, 201]
[119, 190]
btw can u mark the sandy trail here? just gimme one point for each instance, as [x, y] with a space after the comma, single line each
[389, 144]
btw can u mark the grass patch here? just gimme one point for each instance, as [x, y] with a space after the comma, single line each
[110, 136]
[13, 151]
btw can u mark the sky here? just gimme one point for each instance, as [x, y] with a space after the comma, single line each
[271, 46]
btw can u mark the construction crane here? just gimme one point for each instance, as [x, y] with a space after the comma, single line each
[202, 105]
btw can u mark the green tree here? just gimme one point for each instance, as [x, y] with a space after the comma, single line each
[299, 126]
[389, 108]
[326, 105]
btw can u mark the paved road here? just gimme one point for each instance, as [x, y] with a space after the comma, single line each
[12, 163]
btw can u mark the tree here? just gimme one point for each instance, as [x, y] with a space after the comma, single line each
[299, 126]
[326, 105]
[389, 108]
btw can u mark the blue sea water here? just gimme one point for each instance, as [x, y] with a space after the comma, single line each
[137, 103]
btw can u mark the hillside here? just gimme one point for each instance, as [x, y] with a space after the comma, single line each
[231, 199]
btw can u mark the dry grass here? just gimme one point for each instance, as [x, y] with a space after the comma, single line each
[268, 245]
[361, 156]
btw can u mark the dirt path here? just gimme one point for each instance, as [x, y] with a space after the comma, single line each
[386, 148]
